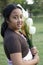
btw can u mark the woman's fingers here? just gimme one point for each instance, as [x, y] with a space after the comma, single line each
[34, 50]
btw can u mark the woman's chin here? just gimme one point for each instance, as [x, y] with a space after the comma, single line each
[19, 27]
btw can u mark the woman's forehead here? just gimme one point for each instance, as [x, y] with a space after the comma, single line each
[17, 12]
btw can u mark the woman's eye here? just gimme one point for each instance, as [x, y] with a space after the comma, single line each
[15, 17]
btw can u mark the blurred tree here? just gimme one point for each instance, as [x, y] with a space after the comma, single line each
[35, 8]
[3, 3]
[16, 1]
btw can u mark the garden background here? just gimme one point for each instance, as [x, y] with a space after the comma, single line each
[37, 15]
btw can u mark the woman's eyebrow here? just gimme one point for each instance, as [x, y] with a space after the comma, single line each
[17, 15]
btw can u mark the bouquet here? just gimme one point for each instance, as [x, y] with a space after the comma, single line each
[27, 28]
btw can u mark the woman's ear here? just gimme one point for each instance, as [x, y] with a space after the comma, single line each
[7, 20]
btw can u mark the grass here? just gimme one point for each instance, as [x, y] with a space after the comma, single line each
[38, 37]
[37, 41]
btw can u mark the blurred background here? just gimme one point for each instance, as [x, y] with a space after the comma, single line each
[35, 10]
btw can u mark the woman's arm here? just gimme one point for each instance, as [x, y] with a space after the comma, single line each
[17, 59]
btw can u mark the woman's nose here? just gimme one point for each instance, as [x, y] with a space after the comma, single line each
[19, 20]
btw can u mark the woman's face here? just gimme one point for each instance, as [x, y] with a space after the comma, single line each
[16, 19]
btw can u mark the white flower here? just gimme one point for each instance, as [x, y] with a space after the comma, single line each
[29, 22]
[29, 1]
[25, 13]
[19, 5]
[32, 30]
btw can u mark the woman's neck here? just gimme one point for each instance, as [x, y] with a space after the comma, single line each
[15, 30]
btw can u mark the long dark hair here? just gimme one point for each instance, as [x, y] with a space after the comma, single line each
[6, 13]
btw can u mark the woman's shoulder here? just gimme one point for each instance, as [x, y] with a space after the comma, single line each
[10, 34]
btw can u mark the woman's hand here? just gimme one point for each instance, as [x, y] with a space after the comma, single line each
[36, 58]
[34, 51]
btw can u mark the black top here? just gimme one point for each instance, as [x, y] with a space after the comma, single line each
[15, 43]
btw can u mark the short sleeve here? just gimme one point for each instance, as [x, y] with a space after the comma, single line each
[13, 44]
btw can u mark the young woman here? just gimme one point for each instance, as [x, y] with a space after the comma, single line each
[15, 44]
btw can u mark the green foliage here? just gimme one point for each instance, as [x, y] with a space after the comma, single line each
[36, 8]
[15, 1]
[36, 11]
[3, 3]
